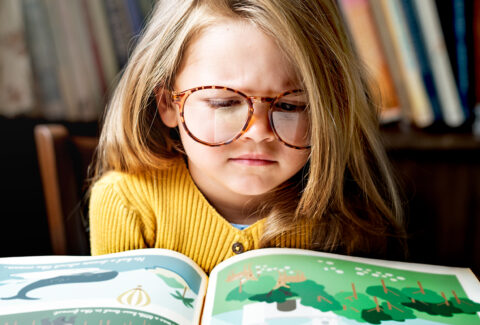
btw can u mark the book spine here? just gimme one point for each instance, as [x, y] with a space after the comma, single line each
[146, 7]
[361, 26]
[92, 75]
[467, 58]
[44, 61]
[420, 107]
[422, 56]
[387, 44]
[65, 64]
[94, 46]
[476, 42]
[83, 65]
[456, 19]
[16, 89]
[104, 41]
[120, 28]
[461, 46]
[452, 109]
[135, 16]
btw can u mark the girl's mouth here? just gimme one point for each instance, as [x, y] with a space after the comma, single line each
[253, 160]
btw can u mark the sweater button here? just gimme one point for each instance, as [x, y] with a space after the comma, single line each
[238, 248]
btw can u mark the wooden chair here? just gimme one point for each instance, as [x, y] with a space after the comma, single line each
[63, 161]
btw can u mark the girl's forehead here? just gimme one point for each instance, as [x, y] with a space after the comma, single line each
[236, 54]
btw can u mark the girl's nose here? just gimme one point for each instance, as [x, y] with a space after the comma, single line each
[259, 128]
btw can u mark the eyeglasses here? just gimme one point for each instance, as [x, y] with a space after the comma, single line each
[216, 116]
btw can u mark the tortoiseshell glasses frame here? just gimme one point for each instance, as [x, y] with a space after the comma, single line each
[179, 98]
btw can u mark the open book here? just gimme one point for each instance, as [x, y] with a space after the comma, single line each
[266, 286]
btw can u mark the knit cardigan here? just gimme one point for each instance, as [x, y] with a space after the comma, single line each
[167, 210]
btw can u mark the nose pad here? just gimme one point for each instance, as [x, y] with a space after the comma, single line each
[259, 127]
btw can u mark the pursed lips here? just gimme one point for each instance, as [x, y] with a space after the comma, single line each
[253, 160]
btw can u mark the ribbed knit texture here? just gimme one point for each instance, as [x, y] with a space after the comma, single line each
[166, 210]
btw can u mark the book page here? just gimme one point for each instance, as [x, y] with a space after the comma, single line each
[292, 286]
[147, 286]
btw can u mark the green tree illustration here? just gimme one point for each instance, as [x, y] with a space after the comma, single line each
[353, 303]
[172, 283]
[250, 288]
[466, 305]
[393, 295]
[186, 301]
[422, 294]
[397, 313]
[282, 296]
[392, 305]
[314, 295]
[430, 302]
[386, 312]
[434, 309]
[374, 316]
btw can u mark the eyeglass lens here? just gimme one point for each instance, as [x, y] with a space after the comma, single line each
[216, 116]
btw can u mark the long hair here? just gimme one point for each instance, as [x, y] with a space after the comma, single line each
[346, 191]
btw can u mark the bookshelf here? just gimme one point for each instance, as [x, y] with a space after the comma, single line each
[66, 55]
[436, 160]
[78, 48]
[439, 176]
[427, 47]
[417, 140]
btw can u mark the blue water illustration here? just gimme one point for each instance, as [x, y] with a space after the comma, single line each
[131, 281]
[63, 279]
[120, 264]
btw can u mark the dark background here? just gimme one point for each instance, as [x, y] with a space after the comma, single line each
[23, 222]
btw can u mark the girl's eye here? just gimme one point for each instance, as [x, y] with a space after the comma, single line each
[223, 103]
[290, 107]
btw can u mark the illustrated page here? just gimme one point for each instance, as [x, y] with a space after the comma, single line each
[275, 286]
[136, 287]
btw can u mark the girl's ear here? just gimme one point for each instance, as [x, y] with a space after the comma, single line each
[166, 108]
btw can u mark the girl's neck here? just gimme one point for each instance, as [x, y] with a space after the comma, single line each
[238, 209]
[244, 215]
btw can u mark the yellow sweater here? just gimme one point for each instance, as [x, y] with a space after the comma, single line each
[167, 210]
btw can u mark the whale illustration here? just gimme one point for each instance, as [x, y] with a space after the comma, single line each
[63, 279]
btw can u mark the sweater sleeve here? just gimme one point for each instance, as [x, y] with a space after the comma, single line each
[114, 225]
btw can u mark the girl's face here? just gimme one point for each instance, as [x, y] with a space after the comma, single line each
[238, 55]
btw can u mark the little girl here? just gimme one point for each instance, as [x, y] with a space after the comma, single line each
[241, 124]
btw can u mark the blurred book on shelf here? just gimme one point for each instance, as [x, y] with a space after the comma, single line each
[43, 58]
[456, 17]
[423, 56]
[421, 51]
[72, 54]
[453, 112]
[390, 16]
[476, 52]
[16, 87]
[367, 42]
[429, 47]
[476, 60]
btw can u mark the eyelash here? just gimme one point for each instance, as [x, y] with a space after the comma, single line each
[222, 103]
[290, 107]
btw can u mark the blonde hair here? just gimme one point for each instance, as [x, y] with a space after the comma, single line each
[346, 191]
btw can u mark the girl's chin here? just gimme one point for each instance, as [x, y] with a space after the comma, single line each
[251, 189]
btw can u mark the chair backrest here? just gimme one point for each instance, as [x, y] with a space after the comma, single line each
[63, 161]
